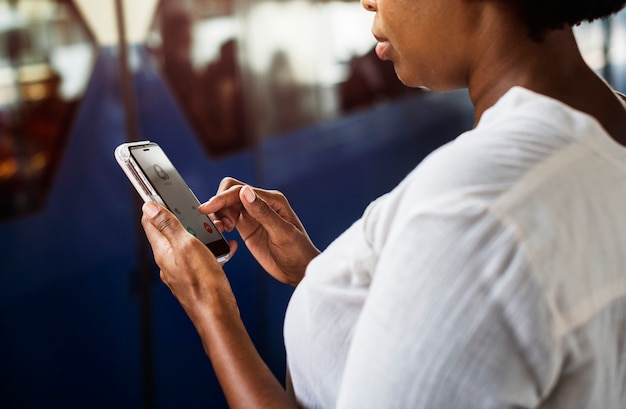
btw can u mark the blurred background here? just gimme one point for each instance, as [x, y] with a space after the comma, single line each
[283, 94]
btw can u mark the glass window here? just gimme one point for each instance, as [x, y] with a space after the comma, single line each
[603, 46]
[248, 70]
[46, 57]
[196, 46]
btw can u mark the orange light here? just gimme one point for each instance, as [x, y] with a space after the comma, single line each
[8, 169]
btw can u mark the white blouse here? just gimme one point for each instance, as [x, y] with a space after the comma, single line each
[493, 276]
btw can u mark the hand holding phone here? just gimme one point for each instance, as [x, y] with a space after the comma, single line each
[156, 179]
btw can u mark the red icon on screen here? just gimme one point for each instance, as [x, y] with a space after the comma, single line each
[207, 227]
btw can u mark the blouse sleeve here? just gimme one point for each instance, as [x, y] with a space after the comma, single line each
[454, 319]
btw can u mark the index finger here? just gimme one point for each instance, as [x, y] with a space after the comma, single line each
[228, 182]
[222, 200]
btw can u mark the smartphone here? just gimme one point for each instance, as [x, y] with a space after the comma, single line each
[156, 179]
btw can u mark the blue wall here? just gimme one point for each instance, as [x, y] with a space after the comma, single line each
[69, 300]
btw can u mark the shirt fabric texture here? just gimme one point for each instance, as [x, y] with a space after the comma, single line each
[493, 276]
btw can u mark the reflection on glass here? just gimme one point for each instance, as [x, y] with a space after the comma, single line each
[315, 64]
[205, 80]
[264, 68]
[370, 82]
[253, 69]
[603, 46]
[45, 60]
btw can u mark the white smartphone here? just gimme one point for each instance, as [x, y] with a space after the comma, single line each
[156, 179]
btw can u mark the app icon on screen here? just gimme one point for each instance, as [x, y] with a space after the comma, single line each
[160, 172]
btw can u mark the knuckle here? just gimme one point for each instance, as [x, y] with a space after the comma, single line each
[277, 195]
[227, 182]
[278, 200]
[164, 222]
[186, 244]
[265, 209]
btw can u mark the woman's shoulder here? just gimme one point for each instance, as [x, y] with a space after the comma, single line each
[514, 136]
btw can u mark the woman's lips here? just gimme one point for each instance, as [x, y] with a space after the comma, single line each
[383, 47]
[382, 50]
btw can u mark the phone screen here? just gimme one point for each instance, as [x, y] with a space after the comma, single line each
[177, 196]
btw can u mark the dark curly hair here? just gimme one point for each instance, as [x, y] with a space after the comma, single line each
[543, 16]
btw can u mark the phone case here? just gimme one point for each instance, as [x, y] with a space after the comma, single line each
[136, 176]
[148, 193]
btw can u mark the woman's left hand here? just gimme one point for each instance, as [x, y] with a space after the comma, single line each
[187, 266]
[196, 278]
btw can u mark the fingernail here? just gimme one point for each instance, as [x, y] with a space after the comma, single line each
[249, 194]
[151, 209]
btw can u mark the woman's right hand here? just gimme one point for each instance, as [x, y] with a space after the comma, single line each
[267, 224]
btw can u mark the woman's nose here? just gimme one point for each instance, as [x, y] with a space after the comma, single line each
[369, 5]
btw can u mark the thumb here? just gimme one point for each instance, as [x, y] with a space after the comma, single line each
[261, 211]
[159, 223]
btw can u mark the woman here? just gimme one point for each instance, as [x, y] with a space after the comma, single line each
[491, 277]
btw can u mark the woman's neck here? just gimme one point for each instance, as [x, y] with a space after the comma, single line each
[552, 67]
